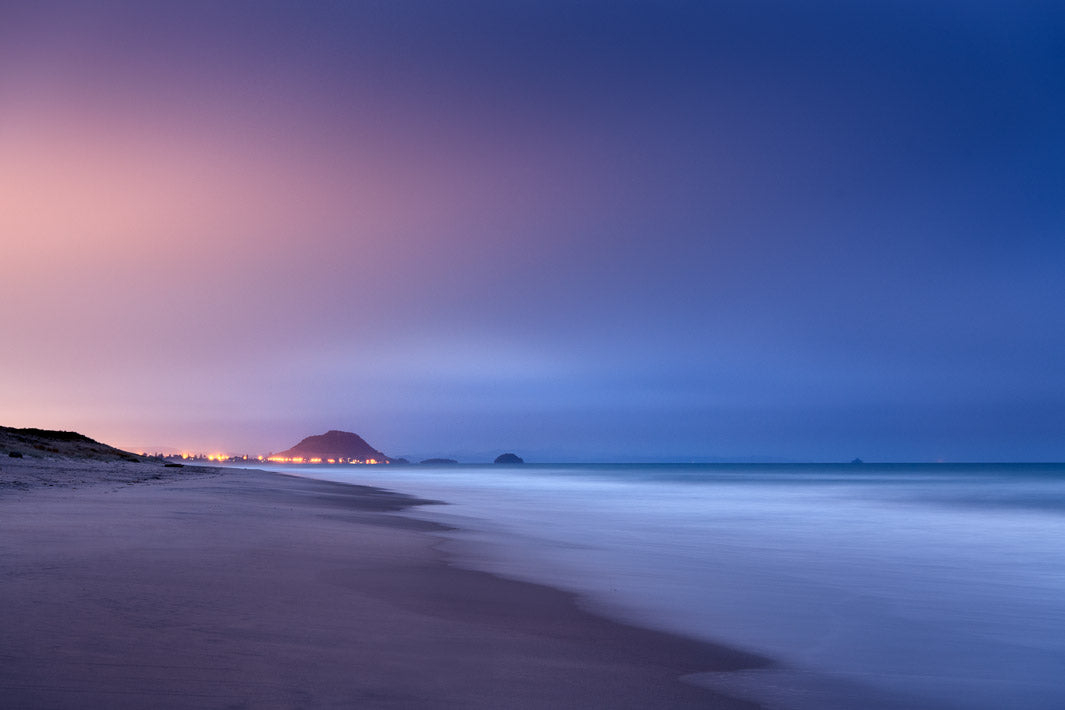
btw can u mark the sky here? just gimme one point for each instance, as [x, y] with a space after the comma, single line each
[614, 231]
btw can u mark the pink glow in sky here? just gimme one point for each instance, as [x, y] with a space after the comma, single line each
[176, 255]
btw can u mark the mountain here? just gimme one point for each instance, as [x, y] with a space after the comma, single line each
[336, 445]
[45, 443]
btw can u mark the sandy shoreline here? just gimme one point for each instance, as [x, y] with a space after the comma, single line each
[244, 589]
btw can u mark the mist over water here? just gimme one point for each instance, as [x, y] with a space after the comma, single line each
[918, 586]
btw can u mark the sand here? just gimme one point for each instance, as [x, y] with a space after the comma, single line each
[243, 589]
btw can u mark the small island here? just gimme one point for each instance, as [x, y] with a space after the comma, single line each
[509, 458]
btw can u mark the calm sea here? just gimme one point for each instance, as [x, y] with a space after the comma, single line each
[874, 586]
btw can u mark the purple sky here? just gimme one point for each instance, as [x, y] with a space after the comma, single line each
[580, 231]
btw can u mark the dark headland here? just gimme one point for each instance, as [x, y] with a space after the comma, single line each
[336, 445]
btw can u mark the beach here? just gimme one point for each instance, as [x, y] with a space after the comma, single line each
[131, 585]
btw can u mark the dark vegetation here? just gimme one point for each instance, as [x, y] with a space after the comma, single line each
[43, 443]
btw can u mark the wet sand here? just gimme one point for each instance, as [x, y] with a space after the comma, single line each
[244, 589]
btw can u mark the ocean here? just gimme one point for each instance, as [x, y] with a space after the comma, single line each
[876, 586]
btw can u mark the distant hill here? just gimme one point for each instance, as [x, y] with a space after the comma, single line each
[45, 443]
[337, 445]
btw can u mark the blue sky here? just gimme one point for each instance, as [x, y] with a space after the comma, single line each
[807, 230]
